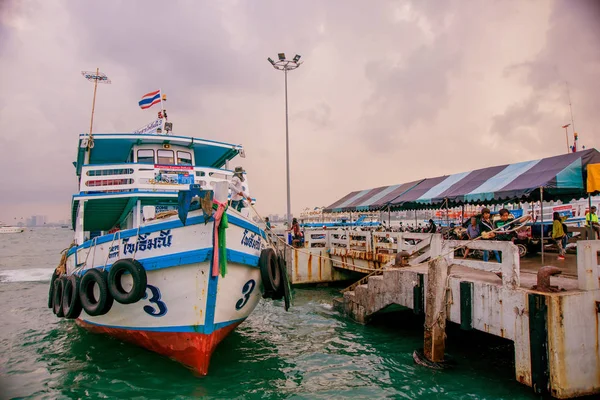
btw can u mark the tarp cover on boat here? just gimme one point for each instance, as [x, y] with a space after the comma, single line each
[563, 177]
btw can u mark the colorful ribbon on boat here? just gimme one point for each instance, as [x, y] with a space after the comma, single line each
[219, 240]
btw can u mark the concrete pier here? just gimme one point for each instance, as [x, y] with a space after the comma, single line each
[556, 334]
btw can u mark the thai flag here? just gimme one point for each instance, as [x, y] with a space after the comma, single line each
[150, 99]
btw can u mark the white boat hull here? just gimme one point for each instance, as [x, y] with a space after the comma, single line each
[187, 310]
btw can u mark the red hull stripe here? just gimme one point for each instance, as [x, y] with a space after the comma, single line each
[191, 349]
[181, 328]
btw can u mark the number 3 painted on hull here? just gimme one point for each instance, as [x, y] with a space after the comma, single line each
[162, 307]
[246, 291]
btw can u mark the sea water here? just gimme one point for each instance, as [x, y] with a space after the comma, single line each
[310, 352]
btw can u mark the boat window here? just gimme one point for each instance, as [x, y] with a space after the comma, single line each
[109, 182]
[184, 158]
[145, 156]
[102, 172]
[217, 175]
[166, 157]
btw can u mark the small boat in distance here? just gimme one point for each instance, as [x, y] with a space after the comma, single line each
[11, 229]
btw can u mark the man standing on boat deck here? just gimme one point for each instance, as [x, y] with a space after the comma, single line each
[237, 189]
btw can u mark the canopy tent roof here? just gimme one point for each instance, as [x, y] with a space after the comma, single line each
[114, 148]
[370, 199]
[563, 177]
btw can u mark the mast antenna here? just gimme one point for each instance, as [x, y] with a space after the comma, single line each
[570, 106]
[94, 77]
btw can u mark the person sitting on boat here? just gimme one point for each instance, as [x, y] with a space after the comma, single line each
[591, 219]
[237, 189]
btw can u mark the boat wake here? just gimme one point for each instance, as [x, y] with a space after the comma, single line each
[26, 275]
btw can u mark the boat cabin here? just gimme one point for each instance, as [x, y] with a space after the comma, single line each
[120, 174]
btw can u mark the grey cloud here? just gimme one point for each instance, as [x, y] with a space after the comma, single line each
[404, 95]
[571, 54]
[319, 116]
[526, 113]
[383, 80]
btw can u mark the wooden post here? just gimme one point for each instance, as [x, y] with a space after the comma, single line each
[435, 309]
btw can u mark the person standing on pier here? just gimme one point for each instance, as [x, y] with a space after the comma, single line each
[486, 226]
[591, 219]
[504, 226]
[559, 235]
[296, 233]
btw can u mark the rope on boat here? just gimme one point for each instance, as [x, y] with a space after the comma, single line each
[61, 269]
[109, 247]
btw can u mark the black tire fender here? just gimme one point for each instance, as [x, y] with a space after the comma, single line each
[90, 304]
[269, 272]
[284, 291]
[51, 289]
[71, 304]
[138, 274]
[280, 292]
[57, 295]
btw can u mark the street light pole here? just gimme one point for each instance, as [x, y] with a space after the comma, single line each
[287, 155]
[286, 65]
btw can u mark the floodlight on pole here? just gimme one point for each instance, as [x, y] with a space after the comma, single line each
[94, 77]
[286, 65]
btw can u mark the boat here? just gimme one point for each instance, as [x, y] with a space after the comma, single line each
[11, 229]
[158, 258]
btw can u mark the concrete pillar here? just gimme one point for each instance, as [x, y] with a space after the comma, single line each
[587, 264]
[435, 315]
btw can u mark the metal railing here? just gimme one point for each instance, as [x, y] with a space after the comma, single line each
[127, 177]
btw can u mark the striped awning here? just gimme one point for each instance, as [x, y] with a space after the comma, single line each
[562, 177]
[370, 199]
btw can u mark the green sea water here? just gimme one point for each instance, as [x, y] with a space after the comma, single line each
[311, 352]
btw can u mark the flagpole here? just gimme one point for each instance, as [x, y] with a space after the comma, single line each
[162, 111]
[161, 101]
[93, 107]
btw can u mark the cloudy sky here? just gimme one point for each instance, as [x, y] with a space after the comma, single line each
[390, 91]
